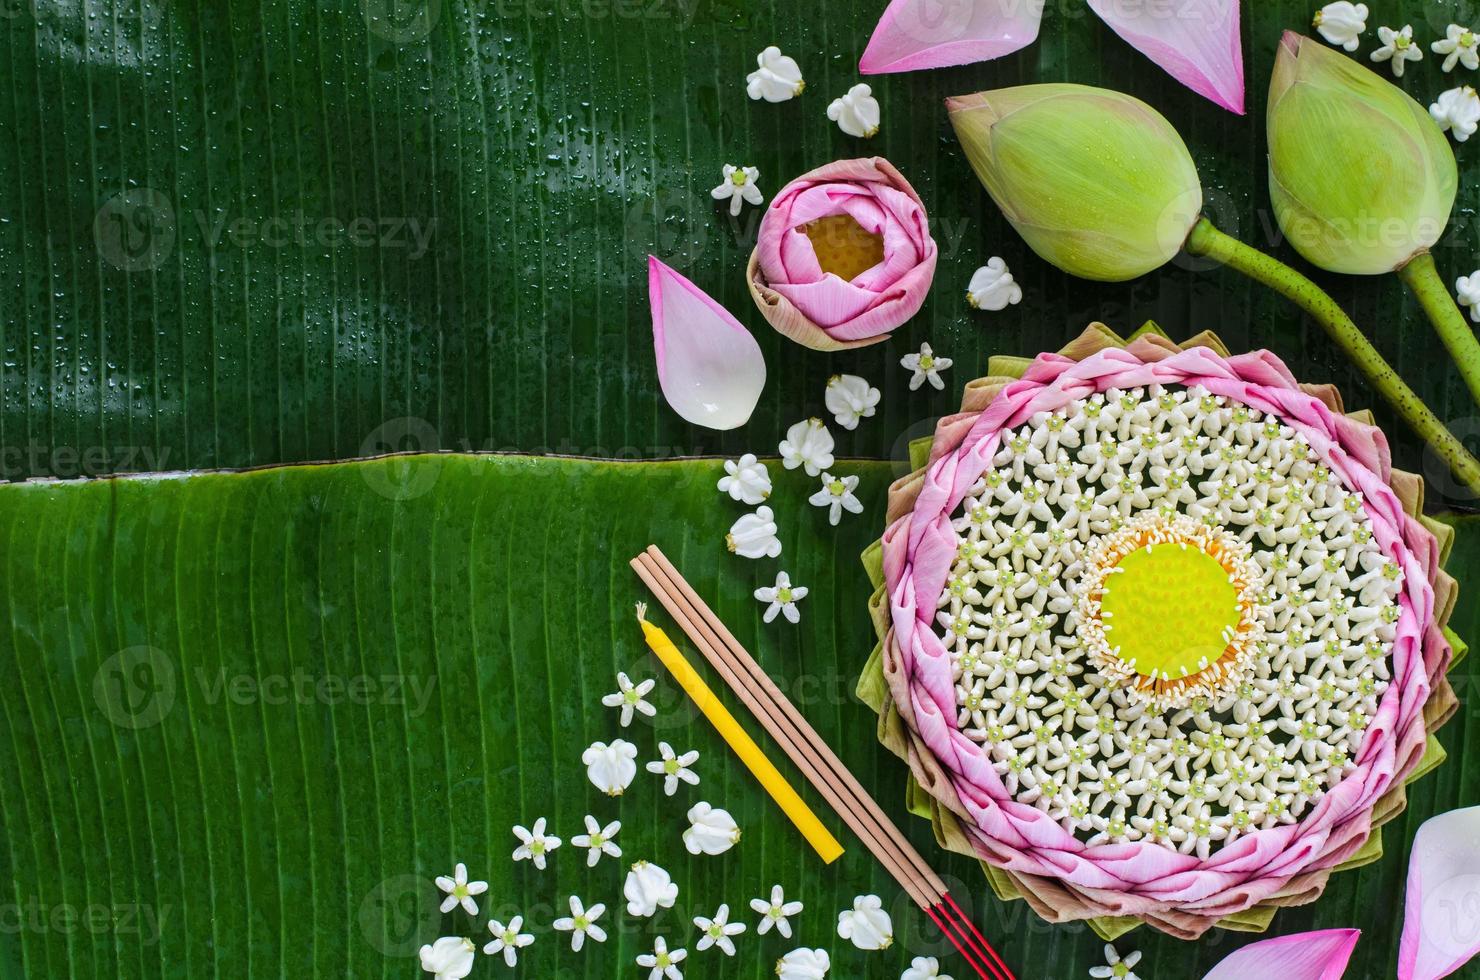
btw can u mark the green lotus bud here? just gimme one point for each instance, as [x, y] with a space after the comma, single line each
[1361, 178]
[1097, 182]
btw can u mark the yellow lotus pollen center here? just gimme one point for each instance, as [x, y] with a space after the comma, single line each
[1169, 609]
[843, 246]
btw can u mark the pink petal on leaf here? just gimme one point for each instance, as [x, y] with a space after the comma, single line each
[1441, 915]
[916, 34]
[1303, 956]
[1196, 41]
[709, 365]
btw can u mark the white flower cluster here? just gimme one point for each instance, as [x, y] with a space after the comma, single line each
[1081, 745]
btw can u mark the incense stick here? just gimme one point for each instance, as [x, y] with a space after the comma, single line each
[816, 760]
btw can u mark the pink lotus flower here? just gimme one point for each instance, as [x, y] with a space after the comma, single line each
[844, 256]
[1196, 42]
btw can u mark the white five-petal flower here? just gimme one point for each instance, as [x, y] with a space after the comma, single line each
[718, 931]
[754, 535]
[850, 398]
[598, 840]
[926, 366]
[711, 830]
[460, 890]
[746, 480]
[809, 445]
[1458, 111]
[674, 768]
[507, 939]
[629, 697]
[1458, 44]
[783, 597]
[611, 768]
[803, 964]
[924, 968]
[581, 923]
[774, 913]
[777, 77]
[856, 113]
[1116, 968]
[1342, 23]
[837, 496]
[1397, 48]
[534, 844]
[1467, 288]
[866, 924]
[738, 186]
[449, 958]
[992, 287]
[647, 888]
[662, 961]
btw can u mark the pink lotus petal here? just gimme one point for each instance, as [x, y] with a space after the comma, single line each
[1303, 956]
[1441, 915]
[709, 365]
[1196, 41]
[916, 34]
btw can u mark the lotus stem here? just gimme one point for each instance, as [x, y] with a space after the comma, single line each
[1207, 241]
[1420, 276]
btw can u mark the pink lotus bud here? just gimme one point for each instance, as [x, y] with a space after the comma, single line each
[844, 256]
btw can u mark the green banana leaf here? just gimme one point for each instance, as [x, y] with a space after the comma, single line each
[258, 231]
[250, 716]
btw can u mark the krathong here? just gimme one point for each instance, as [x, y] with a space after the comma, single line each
[844, 255]
[1100, 185]
[1196, 42]
[1109, 759]
[1363, 182]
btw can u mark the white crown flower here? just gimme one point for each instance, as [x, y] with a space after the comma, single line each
[924, 968]
[1459, 45]
[925, 366]
[1467, 289]
[718, 931]
[674, 768]
[1342, 23]
[508, 939]
[711, 830]
[534, 844]
[746, 480]
[866, 924]
[774, 913]
[777, 77]
[629, 697]
[992, 287]
[581, 923]
[663, 962]
[738, 186]
[803, 964]
[611, 768]
[850, 398]
[1397, 48]
[856, 113]
[837, 496]
[460, 890]
[1458, 111]
[598, 840]
[754, 535]
[449, 958]
[1116, 968]
[782, 598]
[809, 445]
[648, 888]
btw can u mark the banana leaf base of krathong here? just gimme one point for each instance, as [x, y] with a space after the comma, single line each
[929, 790]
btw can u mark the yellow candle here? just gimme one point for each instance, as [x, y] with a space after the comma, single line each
[744, 746]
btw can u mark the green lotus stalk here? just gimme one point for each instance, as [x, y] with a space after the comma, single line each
[1100, 185]
[1362, 180]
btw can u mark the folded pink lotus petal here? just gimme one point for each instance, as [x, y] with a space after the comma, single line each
[710, 367]
[916, 34]
[1196, 41]
[1304, 956]
[1439, 915]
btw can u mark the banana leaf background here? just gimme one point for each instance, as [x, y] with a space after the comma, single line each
[241, 235]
